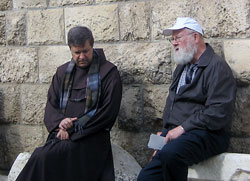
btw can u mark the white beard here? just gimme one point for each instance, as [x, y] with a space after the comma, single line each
[185, 55]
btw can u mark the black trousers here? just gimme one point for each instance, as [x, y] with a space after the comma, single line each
[171, 163]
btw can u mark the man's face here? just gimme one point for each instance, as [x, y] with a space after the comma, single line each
[184, 46]
[82, 55]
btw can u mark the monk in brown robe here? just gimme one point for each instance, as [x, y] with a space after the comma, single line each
[82, 106]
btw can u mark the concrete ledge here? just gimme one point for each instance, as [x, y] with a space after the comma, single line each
[224, 167]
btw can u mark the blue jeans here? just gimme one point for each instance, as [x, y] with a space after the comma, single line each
[171, 163]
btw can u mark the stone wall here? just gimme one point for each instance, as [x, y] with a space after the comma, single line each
[33, 43]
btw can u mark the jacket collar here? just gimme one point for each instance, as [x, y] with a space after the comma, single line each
[203, 61]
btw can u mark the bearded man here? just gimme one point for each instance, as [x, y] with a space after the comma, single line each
[83, 102]
[198, 112]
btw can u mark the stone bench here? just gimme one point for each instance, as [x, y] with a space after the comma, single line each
[126, 167]
[224, 167]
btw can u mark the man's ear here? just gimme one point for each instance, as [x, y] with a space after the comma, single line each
[197, 37]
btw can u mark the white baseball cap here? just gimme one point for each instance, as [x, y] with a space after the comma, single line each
[184, 22]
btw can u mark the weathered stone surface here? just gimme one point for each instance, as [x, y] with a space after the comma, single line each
[45, 133]
[164, 14]
[141, 62]
[133, 142]
[55, 3]
[131, 112]
[50, 58]
[241, 124]
[240, 145]
[3, 178]
[18, 138]
[237, 53]
[126, 167]
[50, 20]
[224, 18]
[154, 102]
[5, 5]
[16, 34]
[102, 20]
[2, 29]
[33, 102]
[18, 65]
[217, 45]
[18, 165]
[134, 21]
[226, 166]
[10, 103]
[100, 1]
[17, 4]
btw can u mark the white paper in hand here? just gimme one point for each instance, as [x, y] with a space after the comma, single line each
[156, 142]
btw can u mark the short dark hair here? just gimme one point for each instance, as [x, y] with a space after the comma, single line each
[78, 35]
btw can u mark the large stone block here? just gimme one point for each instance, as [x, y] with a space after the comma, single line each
[2, 29]
[18, 65]
[241, 124]
[5, 5]
[33, 102]
[126, 167]
[18, 138]
[56, 3]
[16, 28]
[18, 4]
[164, 14]
[50, 20]
[154, 102]
[239, 145]
[3, 178]
[224, 18]
[141, 62]
[102, 20]
[100, 1]
[217, 45]
[49, 59]
[131, 112]
[133, 142]
[135, 21]
[226, 166]
[18, 165]
[237, 53]
[10, 103]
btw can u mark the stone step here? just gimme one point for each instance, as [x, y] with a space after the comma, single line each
[223, 167]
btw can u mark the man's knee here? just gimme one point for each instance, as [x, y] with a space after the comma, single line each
[168, 156]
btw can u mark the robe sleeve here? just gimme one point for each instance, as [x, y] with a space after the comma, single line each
[108, 108]
[53, 115]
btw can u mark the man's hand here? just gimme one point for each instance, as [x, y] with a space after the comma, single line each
[67, 123]
[174, 133]
[62, 134]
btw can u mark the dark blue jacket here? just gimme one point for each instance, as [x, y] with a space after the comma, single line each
[208, 102]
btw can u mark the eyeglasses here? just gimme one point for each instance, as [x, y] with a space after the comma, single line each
[178, 39]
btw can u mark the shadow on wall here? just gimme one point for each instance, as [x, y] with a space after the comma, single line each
[3, 143]
[9, 139]
[139, 116]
